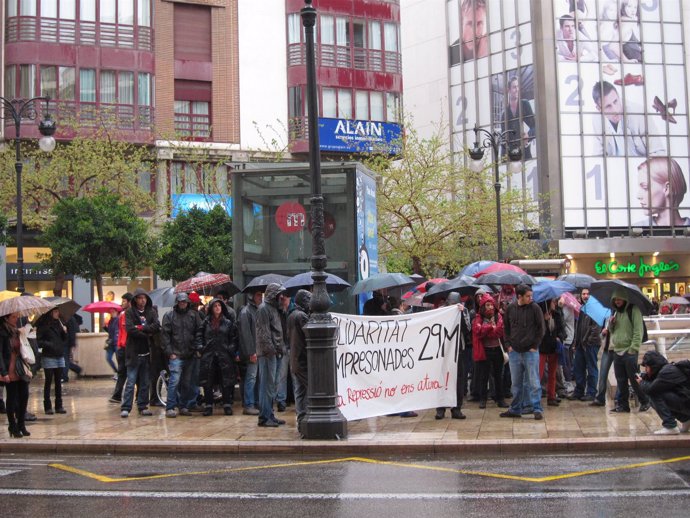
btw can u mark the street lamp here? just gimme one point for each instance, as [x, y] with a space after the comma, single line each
[323, 419]
[494, 140]
[19, 109]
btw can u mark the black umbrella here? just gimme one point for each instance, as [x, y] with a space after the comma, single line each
[462, 284]
[579, 280]
[380, 281]
[66, 306]
[603, 291]
[507, 277]
[262, 281]
[304, 281]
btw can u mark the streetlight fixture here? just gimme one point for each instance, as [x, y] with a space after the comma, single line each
[494, 140]
[18, 109]
[323, 419]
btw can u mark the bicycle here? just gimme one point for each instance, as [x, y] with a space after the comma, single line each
[162, 386]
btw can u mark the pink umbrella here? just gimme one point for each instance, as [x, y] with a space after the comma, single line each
[500, 267]
[102, 306]
[570, 301]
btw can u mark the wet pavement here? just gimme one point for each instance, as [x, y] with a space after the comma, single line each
[92, 424]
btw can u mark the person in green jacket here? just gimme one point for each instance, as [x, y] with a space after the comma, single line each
[626, 328]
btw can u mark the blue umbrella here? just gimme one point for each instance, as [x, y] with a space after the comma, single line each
[305, 281]
[547, 290]
[596, 310]
[476, 267]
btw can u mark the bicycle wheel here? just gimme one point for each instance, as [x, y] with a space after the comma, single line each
[162, 387]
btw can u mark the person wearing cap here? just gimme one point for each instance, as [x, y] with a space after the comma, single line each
[120, 349]
[246, 323]
[180, 326]
[269, 349]
[668, 389]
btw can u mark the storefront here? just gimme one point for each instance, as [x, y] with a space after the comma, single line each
[659, 266]
[38, 279]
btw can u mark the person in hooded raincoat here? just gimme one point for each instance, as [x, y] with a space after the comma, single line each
[668, 388]
[296, 321]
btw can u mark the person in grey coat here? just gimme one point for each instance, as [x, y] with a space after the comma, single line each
[269, 349]
[296, 321]
[248, 364]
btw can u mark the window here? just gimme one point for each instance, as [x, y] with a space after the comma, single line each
[11, 8]
[342, 37]
[192, 118]
[87, 10]
[66, 81]
[390, 37]
[49, 82]
[344, 104]
[125, 12]
[358, 34]
[27, 81]
[362, 105]
[144, 89]
[108, 9]
[125, 87]
[11, 81]
[68, 9]
[27, 7]
[375, 35]
[294, 28]
[87, 85]
[295, 102]
[392, 107]
[107, 91]
[116, 87]
[329, 103]
[327, 30]
[192, 32]
[144, 13]
[49, 9]
[376, 99]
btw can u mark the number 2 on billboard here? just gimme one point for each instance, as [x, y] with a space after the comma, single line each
[462, 118]
[575, 98]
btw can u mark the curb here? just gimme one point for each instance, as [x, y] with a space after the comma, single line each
[352, 447]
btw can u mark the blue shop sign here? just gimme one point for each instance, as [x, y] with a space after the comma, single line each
[184, 202]
[356, 136]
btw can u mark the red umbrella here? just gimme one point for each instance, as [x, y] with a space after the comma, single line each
[101, 306]
[204, 283]
[500, 267]
[422, 288]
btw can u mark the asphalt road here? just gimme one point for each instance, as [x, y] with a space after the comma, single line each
[582, 485]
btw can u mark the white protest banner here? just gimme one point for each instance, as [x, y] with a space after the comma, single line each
[397, 363]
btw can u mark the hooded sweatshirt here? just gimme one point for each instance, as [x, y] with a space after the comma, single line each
[664, 377]
[626, 334]
[141, 326]
[524, 326]
[486, 331]
[179, 331]
[269, 326]
[296, 321]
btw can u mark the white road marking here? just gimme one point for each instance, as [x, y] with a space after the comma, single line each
[70, 493]
[5, 472]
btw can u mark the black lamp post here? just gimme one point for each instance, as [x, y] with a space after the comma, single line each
[19, 109]
[494, 140]
[323, 419]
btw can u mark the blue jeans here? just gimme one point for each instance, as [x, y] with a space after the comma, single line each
[282, 384]
[192, 396]
[267, 387]
[179, 383]
[250, 384]
[137, 374]
[585, 369]
[524, 371]
[109, 353]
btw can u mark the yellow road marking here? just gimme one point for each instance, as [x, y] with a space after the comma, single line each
[106, 479]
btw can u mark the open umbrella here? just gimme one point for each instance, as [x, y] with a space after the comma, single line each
[603, 291]
[676, 300]
[305, 281]
[475, 267]
[101, 306]
[499, 267]
[596, 311]
[262, 281]
[570, 301]
[547, 290]
[26, 306]
[579, 280]
[163, 297]
[459, 284]
[66, 306]
[380, 281]
[205, 283]
[417, 278]
[506, 277]
[7, 294]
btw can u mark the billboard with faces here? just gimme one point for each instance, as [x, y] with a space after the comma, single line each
[623, 113]
[492, 81]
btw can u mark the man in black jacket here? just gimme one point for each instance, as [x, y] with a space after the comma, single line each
[524, 329]
[296, 321]
[179, 334]
[587, 343]
[141, 323]
[668, 388]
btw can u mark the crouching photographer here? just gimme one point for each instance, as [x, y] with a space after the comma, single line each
[668, 387]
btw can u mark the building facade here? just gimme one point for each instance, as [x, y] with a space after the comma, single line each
[594, 93]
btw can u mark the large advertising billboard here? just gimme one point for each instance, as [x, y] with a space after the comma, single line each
[623, 113]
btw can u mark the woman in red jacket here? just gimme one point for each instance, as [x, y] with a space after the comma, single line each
[487, 331]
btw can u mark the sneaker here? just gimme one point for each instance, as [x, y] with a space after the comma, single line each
[227, 410]
[269, 424]
[587, 398]
[115, 400]
[456, 413]
[250, 410]
[281, 407]
[60, 411]
[185, 412]
[124, 413]
[171, 413]
[145, 412]
[668, 431]
[502, 404]
[644, 407]
[509, 414]
[685, 427]
[620, 410]
[538, 416]
[279, 421]
[552, 402]
[409, 414]
[440, 414]
[596, 402]
[207, 411]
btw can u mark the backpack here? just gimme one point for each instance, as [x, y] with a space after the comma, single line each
[645, 335]
[684, 367]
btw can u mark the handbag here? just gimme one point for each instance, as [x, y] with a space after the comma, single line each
[22, 370]
[505, 354]
[25, 349]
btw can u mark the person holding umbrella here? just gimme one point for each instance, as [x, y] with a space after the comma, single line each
[17, 388]
[626, 328]
[51, 335]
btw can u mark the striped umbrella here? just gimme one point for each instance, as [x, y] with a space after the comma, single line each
[207, 283]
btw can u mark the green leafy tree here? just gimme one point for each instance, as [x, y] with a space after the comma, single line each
[92, 236]
[195, 241]
[435, 214]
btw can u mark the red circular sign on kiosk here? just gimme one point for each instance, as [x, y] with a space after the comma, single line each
[291, 217]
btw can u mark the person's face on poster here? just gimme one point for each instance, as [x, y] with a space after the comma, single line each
[630, 9]
[651, 191]
[568, 30]
[611, 107]
[513, 92]
[473, 31]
